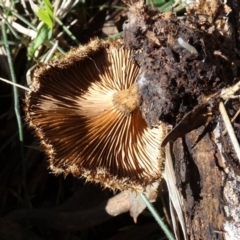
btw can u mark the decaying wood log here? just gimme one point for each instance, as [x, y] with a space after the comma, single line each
[184, 65]
[199, 178]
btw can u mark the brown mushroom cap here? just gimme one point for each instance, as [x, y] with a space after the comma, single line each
[84, 109]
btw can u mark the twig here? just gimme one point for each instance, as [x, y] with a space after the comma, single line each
[15, 84]
[49, 55]
[174, 196]
[232, 120]
[229, 92]
[229, 129]
[24, 7]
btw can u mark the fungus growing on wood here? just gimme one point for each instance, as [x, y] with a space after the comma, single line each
[84, 109]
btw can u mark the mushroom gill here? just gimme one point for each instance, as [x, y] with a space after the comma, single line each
[84, 109]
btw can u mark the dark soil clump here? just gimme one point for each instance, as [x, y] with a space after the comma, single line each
[173, 78]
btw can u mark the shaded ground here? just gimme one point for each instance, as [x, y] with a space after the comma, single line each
[58, 208]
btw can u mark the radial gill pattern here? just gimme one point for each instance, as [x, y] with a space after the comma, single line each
[84, 132]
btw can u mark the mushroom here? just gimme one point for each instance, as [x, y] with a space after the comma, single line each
[84, 109]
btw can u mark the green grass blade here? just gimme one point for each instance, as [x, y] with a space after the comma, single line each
[18, 117]
[157, 217]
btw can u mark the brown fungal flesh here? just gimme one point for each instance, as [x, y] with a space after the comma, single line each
[84, 109]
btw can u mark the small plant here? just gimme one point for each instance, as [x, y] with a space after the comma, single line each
[45, 27]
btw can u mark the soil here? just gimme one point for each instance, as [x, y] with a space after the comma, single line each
[173, 80]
